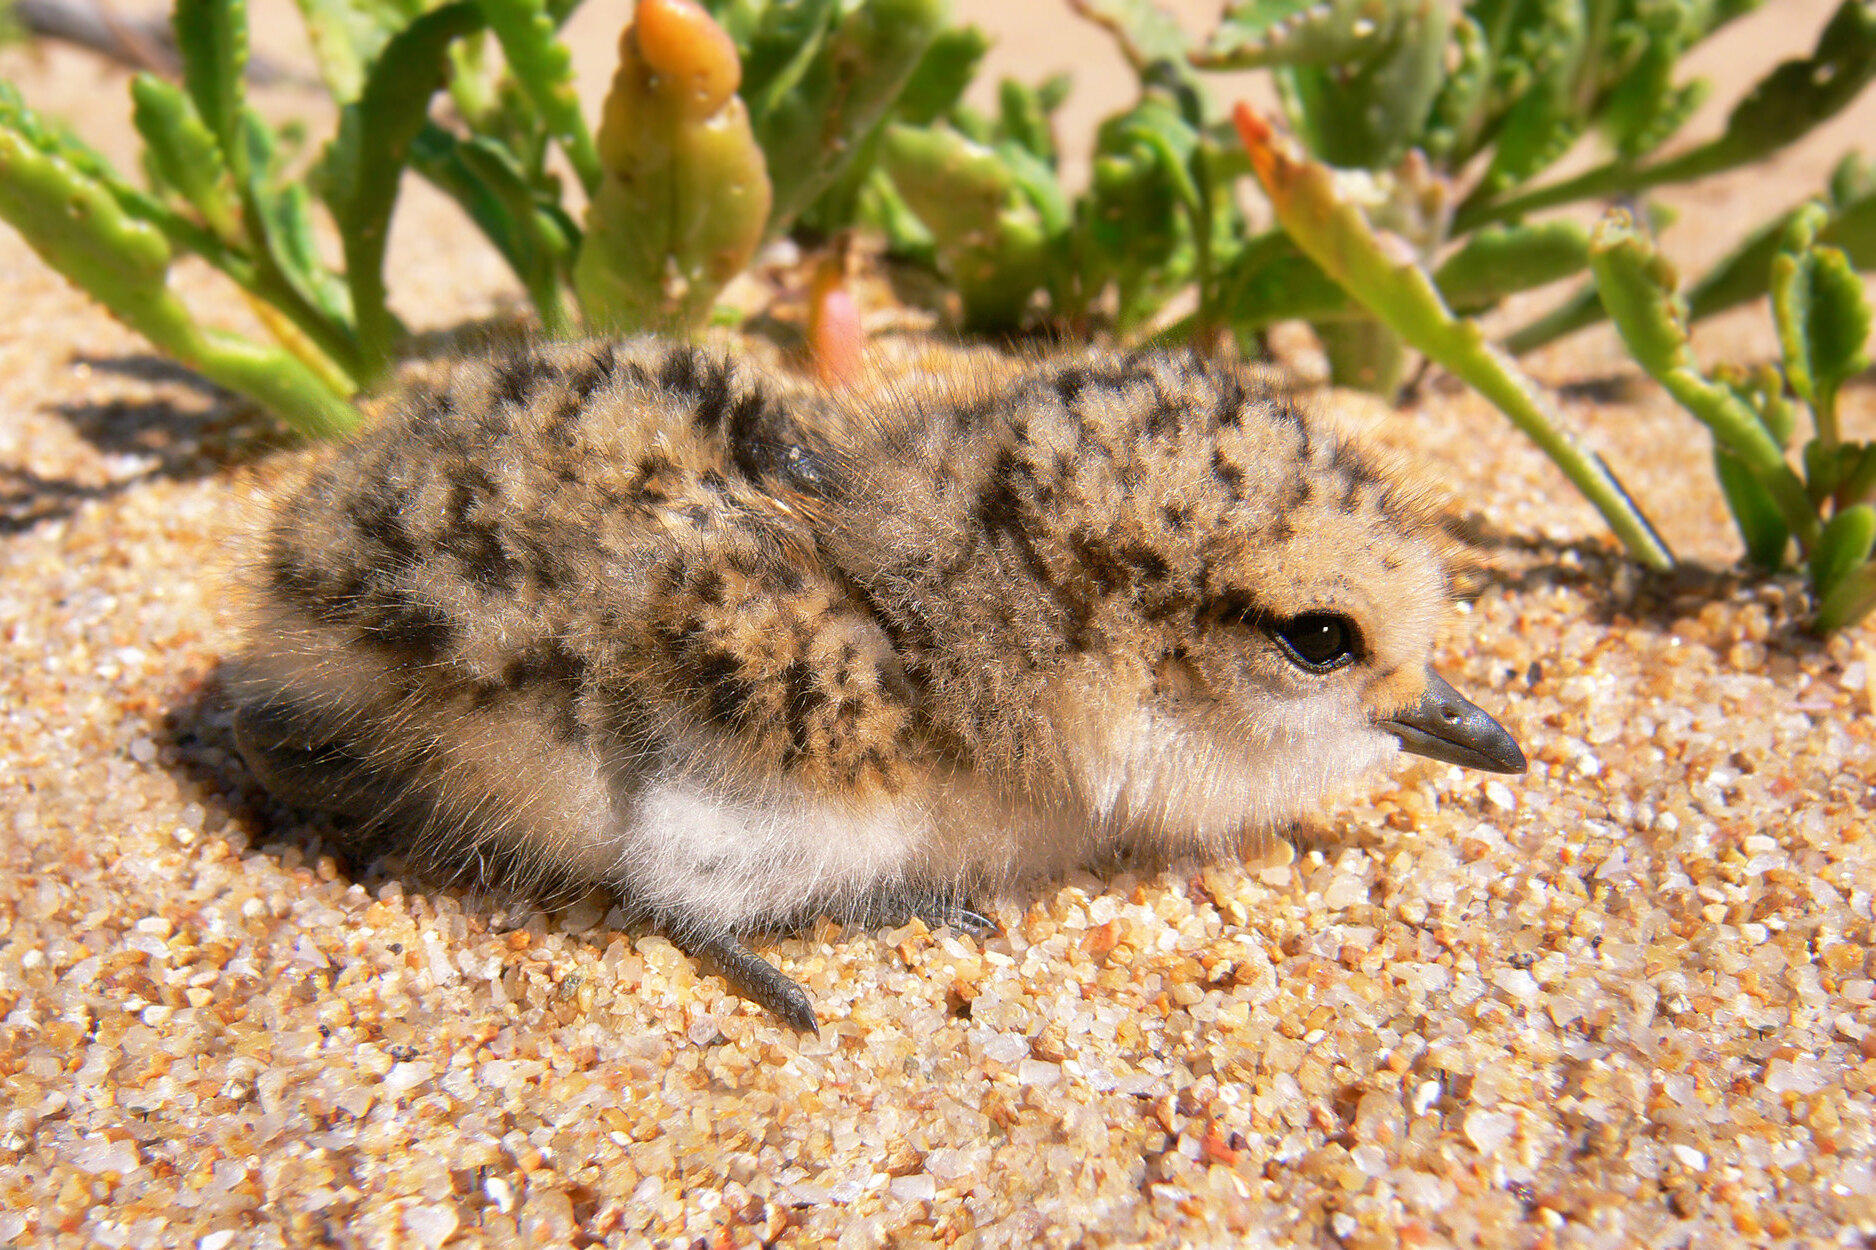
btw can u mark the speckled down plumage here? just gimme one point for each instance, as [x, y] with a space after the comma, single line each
[636, 614]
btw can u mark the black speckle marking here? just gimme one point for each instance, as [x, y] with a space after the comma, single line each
[601, 369]
[472, 539]
[788, 578]
[378, 520]
[1348, 461]
[564, 422]
[296, 579]
[550, 664]
[726, 691]
[1108, 572]
[515, 378]
[1229, 414]
[433, 410]
[1151, 565]
[706, 381]
[1287, 413]
[804, 699]
[1164, 419]
[1069, 384]
[1234, 606]
[999, 515]
[1229, 475]
[410, 626]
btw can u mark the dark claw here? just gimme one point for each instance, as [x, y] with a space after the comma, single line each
[758, 980]
[957, 916]
[936, 910]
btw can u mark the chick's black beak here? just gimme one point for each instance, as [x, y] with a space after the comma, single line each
[1447, 726]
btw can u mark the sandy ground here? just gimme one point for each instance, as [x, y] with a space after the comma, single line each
[1626, 999]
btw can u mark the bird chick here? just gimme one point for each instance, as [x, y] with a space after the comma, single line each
[633, 614]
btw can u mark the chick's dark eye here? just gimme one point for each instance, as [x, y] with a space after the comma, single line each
[1318, 641]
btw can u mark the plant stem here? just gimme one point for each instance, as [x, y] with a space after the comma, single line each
[1337, 235]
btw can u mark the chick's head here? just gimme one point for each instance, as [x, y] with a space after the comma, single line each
[1157, 587]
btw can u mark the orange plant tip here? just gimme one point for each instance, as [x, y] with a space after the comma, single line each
[1252, 128]
[679, 41]
[836, 338]
[1267, 160]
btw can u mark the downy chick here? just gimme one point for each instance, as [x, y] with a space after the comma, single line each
[632, 614]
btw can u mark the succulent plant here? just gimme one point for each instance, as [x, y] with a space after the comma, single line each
[1384, 274]
[1823, 324]
[820, 77]
[684, 196]
[1492, 93]
[224, 199]
[683, 179]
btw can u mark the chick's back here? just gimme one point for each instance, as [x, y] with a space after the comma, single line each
[504, 612]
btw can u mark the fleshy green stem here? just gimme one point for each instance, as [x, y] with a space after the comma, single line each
[1334, 232]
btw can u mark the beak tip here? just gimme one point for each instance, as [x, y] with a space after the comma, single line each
[1446, 726]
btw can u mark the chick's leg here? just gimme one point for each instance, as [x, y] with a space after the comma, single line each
[752, 976]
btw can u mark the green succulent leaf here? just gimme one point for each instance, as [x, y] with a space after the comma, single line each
[939, 80]
[186, 153]
[280, 221]
[1254, 34]
[1646, 108]
[1139, 215]
[490, 184]
[880, 206]
[541, 239]
[1500, 260]
[1799, 95]
[1148, 37]
[1023, 112]
[778, 46]
[1359, 77]
[1852, 178]
[528, 32]
[1764, 389]
[80, 228]
[366, 161]
[1743, 274]
[212, 36]
[1640, 290]
[1828, 466]
[1859, 481]
[812, 114]
[1457, 115]
[1823, 322]
[685, 193]
[1533, 137]
[1844, 546]
[1849, 601]
[1761, 526]
[347, 36]
[1288, 286]
[997, 227]
[1145, 32]
[1783, 107]
[1388, 281]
